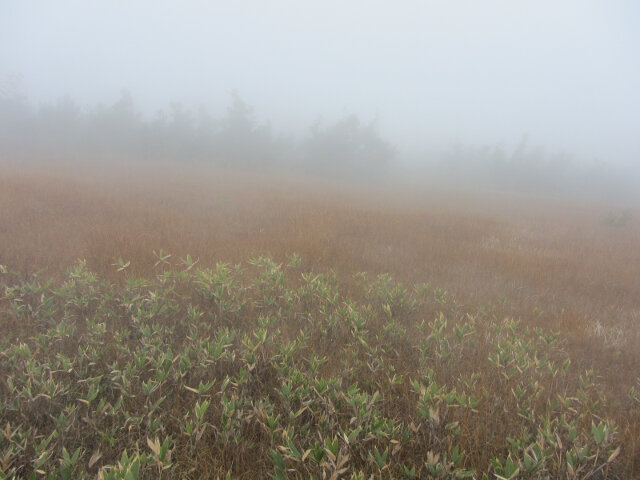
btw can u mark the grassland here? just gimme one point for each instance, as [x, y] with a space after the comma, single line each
[312, 329]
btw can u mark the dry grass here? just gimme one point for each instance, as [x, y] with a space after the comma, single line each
[553, 263]
[550, 253]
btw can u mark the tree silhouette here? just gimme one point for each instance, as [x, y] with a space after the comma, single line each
[348, 147]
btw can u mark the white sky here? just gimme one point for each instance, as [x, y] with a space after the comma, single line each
[565, 72]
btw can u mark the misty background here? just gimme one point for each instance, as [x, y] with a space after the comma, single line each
[531, 95]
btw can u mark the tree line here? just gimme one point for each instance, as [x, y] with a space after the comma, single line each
[235, 138]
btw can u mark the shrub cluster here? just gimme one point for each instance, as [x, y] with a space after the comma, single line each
[270, 370]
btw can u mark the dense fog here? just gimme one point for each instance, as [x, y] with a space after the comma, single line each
[529, 95]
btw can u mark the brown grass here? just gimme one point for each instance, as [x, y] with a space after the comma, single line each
[551, 262]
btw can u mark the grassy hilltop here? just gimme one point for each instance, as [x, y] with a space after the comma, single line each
[413, 337]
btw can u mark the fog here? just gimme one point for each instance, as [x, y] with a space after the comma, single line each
[423, 80]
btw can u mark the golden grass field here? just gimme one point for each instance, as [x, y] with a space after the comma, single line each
[553, 263]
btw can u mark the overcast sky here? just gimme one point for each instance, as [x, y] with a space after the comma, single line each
[565, 72]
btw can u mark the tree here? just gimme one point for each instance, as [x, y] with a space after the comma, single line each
[347, 147]
[15, 114]
[241, 139]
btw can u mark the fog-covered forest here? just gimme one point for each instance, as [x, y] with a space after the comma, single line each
[239, 137]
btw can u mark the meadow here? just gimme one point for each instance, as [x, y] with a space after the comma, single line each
[163, 322]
